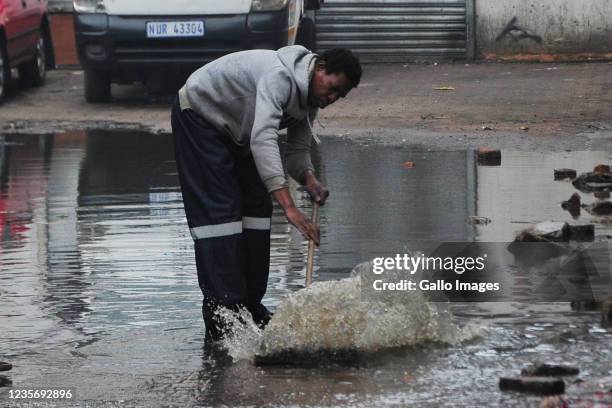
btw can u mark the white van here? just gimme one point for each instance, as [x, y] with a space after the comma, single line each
[128, 40]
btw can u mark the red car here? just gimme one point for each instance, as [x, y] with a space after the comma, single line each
[25, 42]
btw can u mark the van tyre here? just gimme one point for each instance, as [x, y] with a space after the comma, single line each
[5, 70]
[97, 86]
[307, 34]
[33, 73]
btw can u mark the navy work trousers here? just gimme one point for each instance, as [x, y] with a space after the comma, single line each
[228, 211]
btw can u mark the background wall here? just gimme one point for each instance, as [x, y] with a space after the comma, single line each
[504, 29]
[62, 33]
[543, 29]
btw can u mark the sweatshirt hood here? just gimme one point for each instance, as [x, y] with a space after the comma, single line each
[298, 61]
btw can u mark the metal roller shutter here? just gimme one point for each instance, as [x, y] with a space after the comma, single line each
[394, 30]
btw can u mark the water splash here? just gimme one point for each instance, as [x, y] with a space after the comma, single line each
[332, 318]
[243, 337]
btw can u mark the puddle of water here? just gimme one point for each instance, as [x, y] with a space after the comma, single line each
[98, 288]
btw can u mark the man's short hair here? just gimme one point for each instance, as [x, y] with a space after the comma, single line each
[341, 60]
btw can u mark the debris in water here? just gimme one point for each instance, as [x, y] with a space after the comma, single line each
[431, 116]
[582, 233]
[474, 219]
[4, 366]
[534, 385]
[598, 208]
[549, 370]
[485, 127]
[545, 232]
[564, 174]
[591, 182]
[444, 88]
[601, 169]
[550, 231]
[547, 235]
[524, 128]
[488, 157]
[408, 164]
[572, 205]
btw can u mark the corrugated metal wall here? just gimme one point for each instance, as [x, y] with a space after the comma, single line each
[394, 30]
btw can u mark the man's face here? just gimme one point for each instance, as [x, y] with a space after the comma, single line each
[325, 88]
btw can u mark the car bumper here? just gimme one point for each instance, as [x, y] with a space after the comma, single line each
[120, 42]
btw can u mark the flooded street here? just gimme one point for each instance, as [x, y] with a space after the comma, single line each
[99, 294]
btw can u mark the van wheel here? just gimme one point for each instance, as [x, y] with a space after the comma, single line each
[307, 34]
[33, 72]
[97, 86]
[5, 70]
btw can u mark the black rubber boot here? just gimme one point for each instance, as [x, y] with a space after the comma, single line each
[216, 326]
[213, 325]
[261, 315]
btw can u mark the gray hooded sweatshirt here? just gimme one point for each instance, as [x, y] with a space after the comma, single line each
[249, 96]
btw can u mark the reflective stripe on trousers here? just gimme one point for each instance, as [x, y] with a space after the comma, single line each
[230, 228]
[228, 210]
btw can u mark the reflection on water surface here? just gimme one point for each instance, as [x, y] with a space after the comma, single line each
[98, 289]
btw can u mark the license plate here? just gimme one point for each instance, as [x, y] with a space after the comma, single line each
[163, 29]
